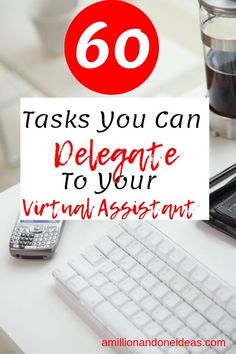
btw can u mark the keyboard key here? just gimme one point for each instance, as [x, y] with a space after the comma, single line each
[105, 245]
[190, 293]
[77, 284]
[63, 274]
[166, 335]
[138, 294]
[117, 275]
[185, 333]
[83, 267]
[124, 240]
[128, 284]
[171, 301]
[154, 240]
[175, 258]
[223, 296]
[197, 350]
[98, 280]
[183, 310]
[115, 232]
[106, 267]
[179, 283]
[198, 276]
[208, 331]
[145, 256]
[164, 248]
[232, 307]
[93, 255]
[90, 297]
[176, 350]
[167, 274]
[149, 304]
[234, 337]
[155, 266]
[148, 281]
[119, 299]
[135, 248]
[187, 267]
[161, 314]
[210, 285]
[228, 325]
[152, 329]
[214, 314]
[127, 263]
[138, 272]
[143, 231]
[130, 308]
[116, 255]
[141, 319]
[195, 321]
[108, 289]
[210, 351]
[130, 226]
[202, 304]
[160, 290]
[172, 324]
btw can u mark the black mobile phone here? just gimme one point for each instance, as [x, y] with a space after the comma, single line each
[223, 202]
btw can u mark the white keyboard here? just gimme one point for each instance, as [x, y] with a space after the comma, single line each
[138, 284]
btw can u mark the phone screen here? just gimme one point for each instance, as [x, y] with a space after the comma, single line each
[39, 221]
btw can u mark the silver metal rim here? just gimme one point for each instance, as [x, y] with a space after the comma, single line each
[223, 126]
[225, 45]
[217, 10]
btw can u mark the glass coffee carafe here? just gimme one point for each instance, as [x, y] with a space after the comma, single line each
[218, 29]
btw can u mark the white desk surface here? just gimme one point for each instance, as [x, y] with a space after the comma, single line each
[33, 314]
[30, 310]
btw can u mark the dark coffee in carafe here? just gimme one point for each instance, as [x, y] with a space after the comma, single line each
[221, 82]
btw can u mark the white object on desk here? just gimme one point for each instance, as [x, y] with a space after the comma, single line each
[52, 18]
[152, 288]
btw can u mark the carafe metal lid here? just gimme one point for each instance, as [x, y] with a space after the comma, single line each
[221, 7]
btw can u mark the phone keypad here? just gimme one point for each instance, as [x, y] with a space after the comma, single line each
[45, 240]
[34, 237]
